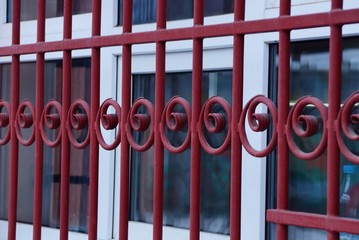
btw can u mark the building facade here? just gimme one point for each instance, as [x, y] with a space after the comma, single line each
[227, 120]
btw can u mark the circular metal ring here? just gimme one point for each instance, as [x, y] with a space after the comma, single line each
[175, 122]
[258, 123]
[108, 121]
[4, 121]
[343, 123]
[214, 123]
[78, 121]
[140, 122]
[25, 120]
[295, 117]
[51, 121]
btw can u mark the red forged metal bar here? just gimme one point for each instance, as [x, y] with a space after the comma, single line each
[283, 109]
[95, 101]
[159, 107]
[65, 143]
[195, 175]
[14, 145]
[39, 153]
[334, 94]
[126, 101]
[237, 105]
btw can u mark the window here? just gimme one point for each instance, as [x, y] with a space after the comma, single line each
[215, 170]
[144, 11]
[54, 8]
[79, 163]
[308, 179]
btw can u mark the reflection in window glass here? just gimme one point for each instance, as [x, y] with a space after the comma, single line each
[54, 8]
[215, 170]
[308, 179]
[144, 11]
[79, 162]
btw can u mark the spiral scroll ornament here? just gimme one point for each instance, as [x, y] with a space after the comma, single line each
[176, 121]
[51, 119]
[78, 116]
[140, 122]
[25, 120]
[306, 126]
[4, 121]
[347, 124]
[215, 123]
[109, 121]
[258, 122]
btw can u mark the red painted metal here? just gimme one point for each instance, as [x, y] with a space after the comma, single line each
[195, 175]
[39, 153]
[14, 145]
[160, 116]
[65, 143]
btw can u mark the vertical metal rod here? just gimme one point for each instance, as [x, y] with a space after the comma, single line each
[159, 107]
[195, 188]
[14, 144]
[334, 95]
[237, 104]
[95, 101]
[283, 109]
[65, 144]
[126, 102]
[39, 152]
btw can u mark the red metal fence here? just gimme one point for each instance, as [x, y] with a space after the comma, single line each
[335, 118]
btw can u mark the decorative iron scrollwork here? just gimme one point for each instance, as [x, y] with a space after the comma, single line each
[78, 116]
[4, 121]
[25, 120]
[140, 122]
[109, 121]
[176, 121]
[215, 123]
[51, 120]
[258, 122]
[306, 126]
[347, 120]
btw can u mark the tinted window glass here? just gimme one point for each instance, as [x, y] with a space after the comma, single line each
[54, 8]
[215, 170]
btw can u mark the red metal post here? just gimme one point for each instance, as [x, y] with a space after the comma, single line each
[237, 105]
[14, 145]
[283, 109]
[334, 94]
[126, 101]
[195, 181]
[159, 107]
[39, 151]
[95, 102]
[65, 143]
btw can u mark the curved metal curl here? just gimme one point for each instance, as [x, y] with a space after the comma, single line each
[25, 120]
[109, 122]
[295, 122]
[51, 121]
[4, 121]
[258, 122]
[176, 121]
[78, 121]
[214, 122]
[140, 122]
[345, 119]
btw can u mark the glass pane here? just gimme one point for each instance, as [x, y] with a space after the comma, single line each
[214, 169]
[54, 8]
[144, 11]
[79, 162]
[299, 233]
[309, 76]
